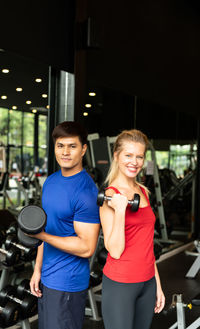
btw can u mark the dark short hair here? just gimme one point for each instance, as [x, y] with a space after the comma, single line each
[69, 129]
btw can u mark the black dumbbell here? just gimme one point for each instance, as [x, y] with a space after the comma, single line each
[12, 255]
[23, 288]
[31, 220]
[28, 305]
[102, 256]
[133, 203]
[2, 236]
[95, 279]
[12, 229]
[9, 314]
[28, 253]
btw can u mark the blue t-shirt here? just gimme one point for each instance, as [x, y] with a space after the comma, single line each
[65, 200]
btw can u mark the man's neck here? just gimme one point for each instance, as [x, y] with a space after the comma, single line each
[71, 171]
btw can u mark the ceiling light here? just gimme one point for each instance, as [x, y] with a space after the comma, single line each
[5, 70]
[14, 107]
[85, 114]
[92, 93]
[3, 97]
[47, 106]
[34, 111]
[44, 95]
[28, 102]
[88, 105]
[38, 80]
[19, 89]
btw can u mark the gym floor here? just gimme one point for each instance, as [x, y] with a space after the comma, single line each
[172, 272]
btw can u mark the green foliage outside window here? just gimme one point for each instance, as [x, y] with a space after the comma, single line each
[17, 131]
[28, 136]
[180, 158]
[15, 125]
[3, 125]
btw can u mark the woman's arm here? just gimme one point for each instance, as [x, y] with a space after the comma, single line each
[160, 298]
[112, 215]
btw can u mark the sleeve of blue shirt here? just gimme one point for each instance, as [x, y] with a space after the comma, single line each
[86, 209]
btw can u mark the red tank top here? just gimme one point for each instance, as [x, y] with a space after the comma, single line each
[136, 263]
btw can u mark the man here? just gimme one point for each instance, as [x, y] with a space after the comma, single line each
[62, 267]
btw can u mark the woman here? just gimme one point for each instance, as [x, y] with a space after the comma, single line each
[131, 290]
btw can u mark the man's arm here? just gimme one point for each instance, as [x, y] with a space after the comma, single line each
[35, 279]
[82, 245]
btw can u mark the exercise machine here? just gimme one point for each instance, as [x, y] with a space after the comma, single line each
[196, 265]
[100, 156]
[177, 302]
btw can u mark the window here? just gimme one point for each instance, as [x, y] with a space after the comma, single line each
[3, 126]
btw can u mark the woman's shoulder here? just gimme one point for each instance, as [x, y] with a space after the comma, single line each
[144, 189]
[112, 187]
[111, 190]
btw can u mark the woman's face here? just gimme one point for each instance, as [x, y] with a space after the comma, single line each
[131, 158]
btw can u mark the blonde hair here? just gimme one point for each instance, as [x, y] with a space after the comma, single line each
[132, 135]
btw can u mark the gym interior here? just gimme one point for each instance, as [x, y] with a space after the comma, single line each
[111, 67]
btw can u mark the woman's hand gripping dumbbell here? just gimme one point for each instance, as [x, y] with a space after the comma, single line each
[31, 220]
[134, 203]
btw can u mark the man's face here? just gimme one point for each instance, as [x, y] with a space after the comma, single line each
[69, 153]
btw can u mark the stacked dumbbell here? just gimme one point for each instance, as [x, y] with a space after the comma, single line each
[11, 256]
[27, 305]
[9, 314]
[2, 236]
[23, 288]
[14, 251]
[12, 229]
[27, 253]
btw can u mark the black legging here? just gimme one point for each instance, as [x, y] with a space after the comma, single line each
[128, 305]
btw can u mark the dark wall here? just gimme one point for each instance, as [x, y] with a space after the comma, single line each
[145, 48]
[42, 30]
[149, 49]
[114, 111]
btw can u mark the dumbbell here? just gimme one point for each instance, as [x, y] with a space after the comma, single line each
[31, 220]
[95, 279]
[28, 305]
[12, 229]
[133, 203]
[23, 288]
[12, 255]
[9, 314]
[102, 256]
[2, 236]
[28, 253]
